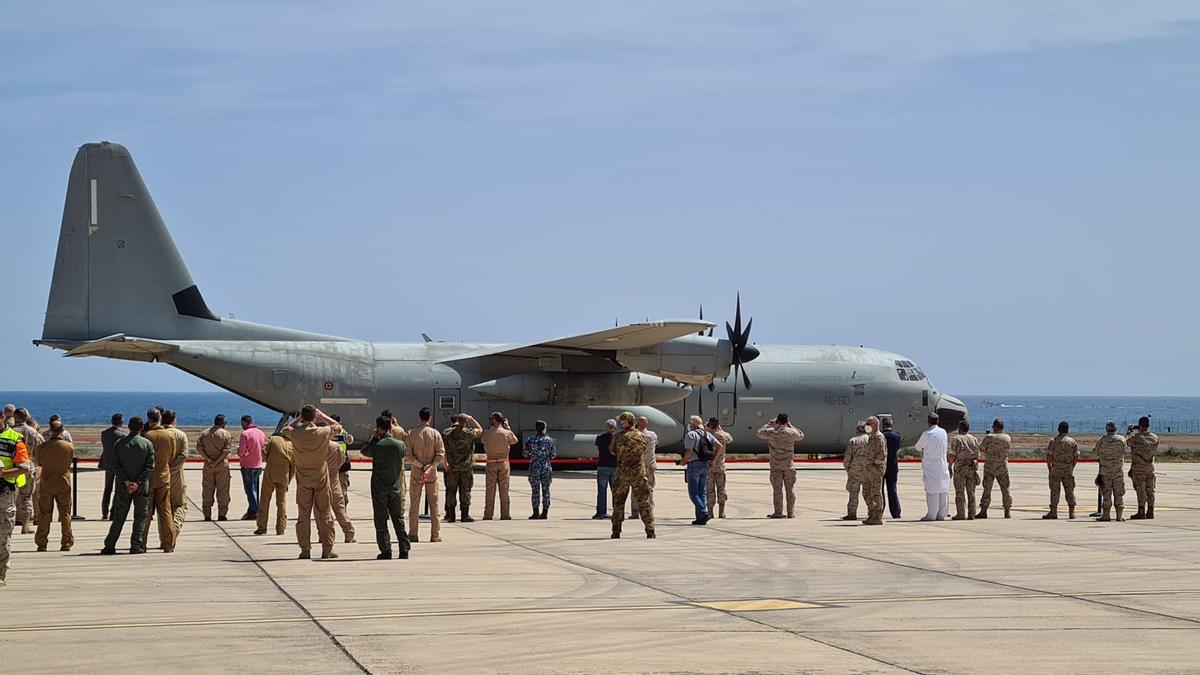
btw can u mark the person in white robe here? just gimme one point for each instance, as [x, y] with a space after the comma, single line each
[935, 470]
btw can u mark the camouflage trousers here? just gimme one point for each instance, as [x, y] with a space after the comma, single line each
[458, 489]
[872, 489]
[650, 480]
[1064, 482]
[966, 478]
[716, 488]
[998, 475]
[783, 483]
[8, 518]
[1112, 491]
[854, 483]
[636, 481]
[26, 505]
[1143, 485]
[540, 477]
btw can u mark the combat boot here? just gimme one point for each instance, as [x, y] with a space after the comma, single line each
[1120, 517]
[403, 554]
[982, 513]
[1150, 510]
[958, 516]
[721, 510]
[850, 516]
[545, 513]
[466, 517]
[1053, 515]
[449, 516]
[27, 528]
[1104, 517]
[1008, 512]
[615, 535]
[1071, 512]
[536, 515]
[1140, 515]
[328, 555]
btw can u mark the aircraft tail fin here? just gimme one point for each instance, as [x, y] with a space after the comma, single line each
[119, 273]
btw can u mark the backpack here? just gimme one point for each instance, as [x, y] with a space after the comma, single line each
[704, 447]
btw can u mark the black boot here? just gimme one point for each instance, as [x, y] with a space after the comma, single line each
[982, 513]
[449, 516]
[466, 517]
[536, 515]
[545, 512]
[1150, 509]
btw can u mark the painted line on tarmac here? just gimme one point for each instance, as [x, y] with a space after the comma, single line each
[730, 606]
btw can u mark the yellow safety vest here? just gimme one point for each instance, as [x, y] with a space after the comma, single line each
[9, 439]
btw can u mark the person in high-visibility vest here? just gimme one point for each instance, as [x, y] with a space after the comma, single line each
[15, 468]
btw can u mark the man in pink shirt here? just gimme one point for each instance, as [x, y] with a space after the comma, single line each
[250, 445]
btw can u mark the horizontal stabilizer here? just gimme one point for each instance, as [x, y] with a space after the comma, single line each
[121, 347]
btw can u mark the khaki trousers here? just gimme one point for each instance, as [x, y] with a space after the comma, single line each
[497, 477]
[160, 508]
[312, 496]
[279, 490]
[179, 504]
[784, 480]
[415, 486]
[215, 484]
[56, 491]
[337, 503]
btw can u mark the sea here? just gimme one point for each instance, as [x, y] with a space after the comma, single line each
[1026, 414]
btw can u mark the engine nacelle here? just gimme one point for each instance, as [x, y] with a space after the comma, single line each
[693, 359]
[584, 389]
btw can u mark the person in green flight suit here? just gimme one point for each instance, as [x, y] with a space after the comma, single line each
[132, 465]
[387, 488]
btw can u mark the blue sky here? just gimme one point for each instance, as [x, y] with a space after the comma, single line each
[1004, 192]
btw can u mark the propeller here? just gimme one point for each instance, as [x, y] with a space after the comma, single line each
[743, 351]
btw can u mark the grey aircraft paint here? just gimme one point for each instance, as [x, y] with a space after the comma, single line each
[101, 304]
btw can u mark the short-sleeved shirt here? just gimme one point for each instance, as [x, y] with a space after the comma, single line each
[604, 456]
[250, 445]
[692, 440]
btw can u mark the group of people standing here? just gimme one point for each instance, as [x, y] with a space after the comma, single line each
[947, 460]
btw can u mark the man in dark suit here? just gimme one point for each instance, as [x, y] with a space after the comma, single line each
[892, 472]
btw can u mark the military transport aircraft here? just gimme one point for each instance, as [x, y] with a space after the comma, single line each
[121, 290]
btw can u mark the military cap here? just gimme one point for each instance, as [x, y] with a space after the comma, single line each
[628, 417]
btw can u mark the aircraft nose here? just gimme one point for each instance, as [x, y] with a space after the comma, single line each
[950, 411]
[749, 353]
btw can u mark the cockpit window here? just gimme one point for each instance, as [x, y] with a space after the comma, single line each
[909, 372]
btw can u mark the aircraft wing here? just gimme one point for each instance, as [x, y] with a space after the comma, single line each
[587, 352]
[120, 346]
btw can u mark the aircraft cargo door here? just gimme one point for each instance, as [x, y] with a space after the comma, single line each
[725, 409]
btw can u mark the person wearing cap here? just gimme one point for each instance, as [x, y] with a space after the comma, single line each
[699, 448]
[310, 448]
[629, 447]
[1142, 447]
[643, 425]
[1110, 450]
[854, 461]
[459, 439]
[781, 438]
[606, 469]
[539, 450]
[935, 470]
[25, 425]
[964, 463]
[1062, 453]
[279, 459]
[716, 468]
[497, 442]
[876, 463]
[994, 448]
